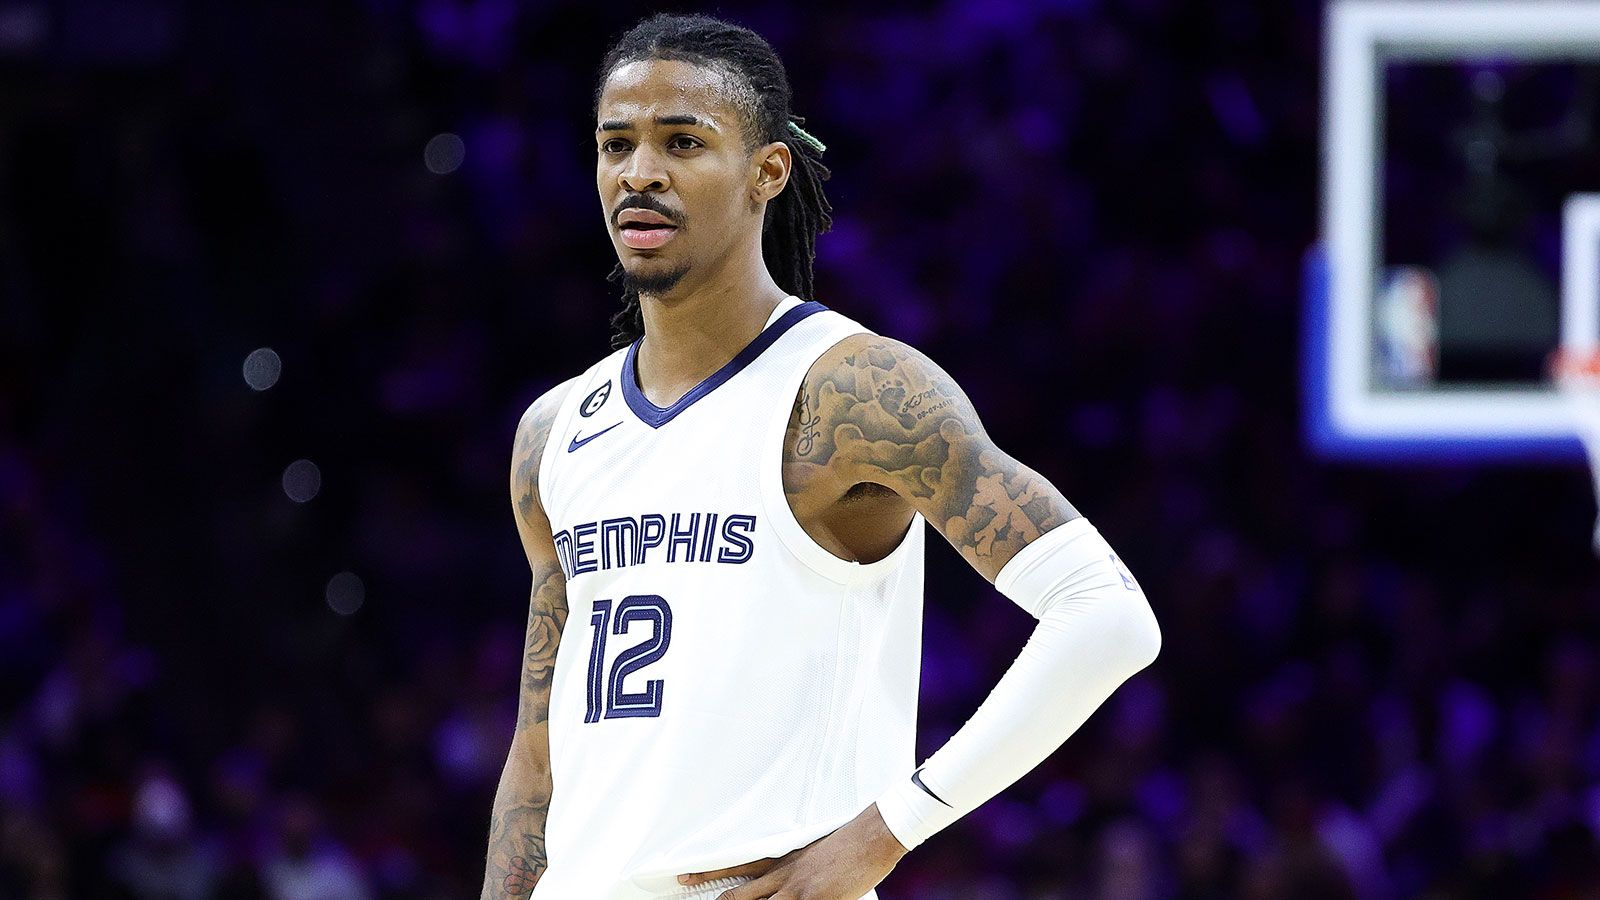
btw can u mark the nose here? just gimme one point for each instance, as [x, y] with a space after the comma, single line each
[644, 172]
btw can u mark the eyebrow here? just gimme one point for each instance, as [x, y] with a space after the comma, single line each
[619, 125]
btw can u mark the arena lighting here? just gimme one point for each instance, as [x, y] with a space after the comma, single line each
[444, 153]
[262, 368]
[302, 480]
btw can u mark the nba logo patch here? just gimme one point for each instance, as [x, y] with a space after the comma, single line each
[595, 400]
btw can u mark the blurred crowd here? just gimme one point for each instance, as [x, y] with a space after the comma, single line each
[1376, 681]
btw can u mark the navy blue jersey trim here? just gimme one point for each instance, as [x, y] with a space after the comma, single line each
[656, 416]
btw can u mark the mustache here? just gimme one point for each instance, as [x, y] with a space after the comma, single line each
[645, 201]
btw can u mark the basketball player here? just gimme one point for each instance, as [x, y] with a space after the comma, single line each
[724, 519]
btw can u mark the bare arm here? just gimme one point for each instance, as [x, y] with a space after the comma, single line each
[516, 855]
[874, 411]
[882, 413]
[897, 420]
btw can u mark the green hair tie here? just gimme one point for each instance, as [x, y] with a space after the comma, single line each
[805, 136]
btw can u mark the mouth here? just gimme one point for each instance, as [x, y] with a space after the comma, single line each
[646, 235]
[644, 228]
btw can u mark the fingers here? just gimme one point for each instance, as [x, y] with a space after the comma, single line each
[759, 867]
[760, 889]
[752, 869]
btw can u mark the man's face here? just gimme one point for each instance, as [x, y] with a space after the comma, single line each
[670, 149]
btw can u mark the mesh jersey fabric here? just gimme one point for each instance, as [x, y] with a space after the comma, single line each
[726, 689]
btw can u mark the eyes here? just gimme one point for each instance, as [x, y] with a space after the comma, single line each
[678, 142]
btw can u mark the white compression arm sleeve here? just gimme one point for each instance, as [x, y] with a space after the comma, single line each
[1095, 630]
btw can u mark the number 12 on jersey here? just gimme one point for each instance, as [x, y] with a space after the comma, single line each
[608, 698]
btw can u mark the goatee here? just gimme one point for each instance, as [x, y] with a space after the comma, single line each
[653, 283]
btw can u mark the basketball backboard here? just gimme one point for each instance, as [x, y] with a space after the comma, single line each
[1461, 228]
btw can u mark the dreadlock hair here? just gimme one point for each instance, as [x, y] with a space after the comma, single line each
[761, 93]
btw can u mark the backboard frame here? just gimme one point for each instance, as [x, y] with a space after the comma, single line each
[1346, 416]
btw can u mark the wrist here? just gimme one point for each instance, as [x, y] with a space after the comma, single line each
[913, 814]
[884, 843]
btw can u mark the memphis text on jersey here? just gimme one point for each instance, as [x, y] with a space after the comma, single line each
[655, 537]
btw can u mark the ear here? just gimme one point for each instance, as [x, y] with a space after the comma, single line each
[773, 163]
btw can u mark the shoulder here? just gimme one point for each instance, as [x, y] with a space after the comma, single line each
[868, 360]
[875, 388]
[865, 347]
[877, 410]
[533, 432]
[537, 419]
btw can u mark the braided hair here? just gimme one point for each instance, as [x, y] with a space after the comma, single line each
[761, 93]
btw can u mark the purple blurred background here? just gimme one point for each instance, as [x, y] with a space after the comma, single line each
[1374, 683]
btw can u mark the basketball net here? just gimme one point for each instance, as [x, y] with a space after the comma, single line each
[1577, 374]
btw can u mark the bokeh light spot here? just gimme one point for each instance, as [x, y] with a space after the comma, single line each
[444, 154]
[302, 480]
[346, 593]
[262, 368]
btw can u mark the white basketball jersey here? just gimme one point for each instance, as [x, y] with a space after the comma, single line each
[726, 689]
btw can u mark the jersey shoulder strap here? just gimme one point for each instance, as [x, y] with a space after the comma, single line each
[595, 386]
[818, 329]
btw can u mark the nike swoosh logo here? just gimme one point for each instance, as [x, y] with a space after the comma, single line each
[576, 443]
[916, 779]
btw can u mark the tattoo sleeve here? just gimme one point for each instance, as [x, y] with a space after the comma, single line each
[874, 410]
[516, 856]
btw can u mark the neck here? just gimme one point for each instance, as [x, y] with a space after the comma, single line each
[695, 329]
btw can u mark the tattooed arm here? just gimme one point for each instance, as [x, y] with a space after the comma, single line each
[875, 412]
[887, 416]
[516, 830]
[878, 432]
